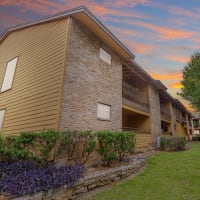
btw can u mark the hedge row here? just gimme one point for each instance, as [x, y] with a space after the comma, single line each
[76, 146]
[26, 160]
[196, 138]
[174, 143]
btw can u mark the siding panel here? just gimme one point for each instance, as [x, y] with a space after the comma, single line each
[180, 130]
[34, 100]
[143, 140]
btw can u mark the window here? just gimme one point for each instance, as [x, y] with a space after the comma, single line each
[103, 111]
[9, 75]
[2, 113]
[106, 57]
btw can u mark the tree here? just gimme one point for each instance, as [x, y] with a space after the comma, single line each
[191, 81]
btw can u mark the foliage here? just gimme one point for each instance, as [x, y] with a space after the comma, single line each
[77, 145]
[106, 147]
[14, 148]
[24, 177]
[28, 146]
[46, 146]
[171, 176]
[196, 138]
[174, 143]
[45, 142]
[191, 81]
[125, 143]
[115, 145]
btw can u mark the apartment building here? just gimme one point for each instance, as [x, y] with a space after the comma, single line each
[69, 72]
[196, 123]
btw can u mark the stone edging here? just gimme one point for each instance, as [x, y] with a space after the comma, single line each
[88, 183]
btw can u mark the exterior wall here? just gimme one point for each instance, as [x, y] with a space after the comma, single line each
[143, 140]
[173, 120]
[88, 81]
[180, 130]
[155, 119]
[188, 130]
[140, 122]
[34, 100]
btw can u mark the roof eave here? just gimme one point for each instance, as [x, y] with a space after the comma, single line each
[72, 12]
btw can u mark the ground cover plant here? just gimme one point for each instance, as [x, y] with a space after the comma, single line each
[27, 160]
[25, 177]
[168, 175]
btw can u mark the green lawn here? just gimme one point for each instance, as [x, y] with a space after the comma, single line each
[168, 176]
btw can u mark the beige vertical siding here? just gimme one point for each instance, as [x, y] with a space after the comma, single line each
[34, 100]
[180, 130]
[143, 140]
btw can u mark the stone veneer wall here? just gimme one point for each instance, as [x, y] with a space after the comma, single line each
[88, 81]
[155, 119]
[173, 119]
[89, 183]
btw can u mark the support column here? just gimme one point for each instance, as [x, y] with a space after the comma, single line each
[173, 119]
[155, 119]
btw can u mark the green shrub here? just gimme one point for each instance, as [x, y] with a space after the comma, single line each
[106, 148]
[114, 145]
[15, 148]
[46, 146]
[76, 145]
[196, 138]
[173, 143]
[125, 143]
[82, 144]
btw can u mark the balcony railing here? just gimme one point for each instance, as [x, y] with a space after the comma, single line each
[133, 94]
[136, 130]
[165, 113]
[184, 122]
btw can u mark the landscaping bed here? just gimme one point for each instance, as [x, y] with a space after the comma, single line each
[29, 163]
[167, 175]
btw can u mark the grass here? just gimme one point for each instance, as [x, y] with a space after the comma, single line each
[168, 176]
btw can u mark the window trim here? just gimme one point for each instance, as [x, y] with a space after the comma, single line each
[3, 117]
[104, 52]
[13, 77]
[103, 118]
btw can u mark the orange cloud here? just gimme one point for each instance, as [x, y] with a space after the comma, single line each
[127, 3]
[141, 48]
[174, 75]
[38, 5]
[176, 85]
[165, 33]
[183, 12]
[49, 7]
[181, 59]
[9, 19]
[136, 47]
[120, 32]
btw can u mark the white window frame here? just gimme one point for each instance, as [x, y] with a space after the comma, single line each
[9, 75]
[2, 115]
[105, 56]
[103, 112]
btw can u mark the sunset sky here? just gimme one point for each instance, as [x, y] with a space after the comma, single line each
[163, 34]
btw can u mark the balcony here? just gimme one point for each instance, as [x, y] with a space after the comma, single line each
[196, 123]
[184, 122]
[135, 130]
[165, 113]
[135, 98]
